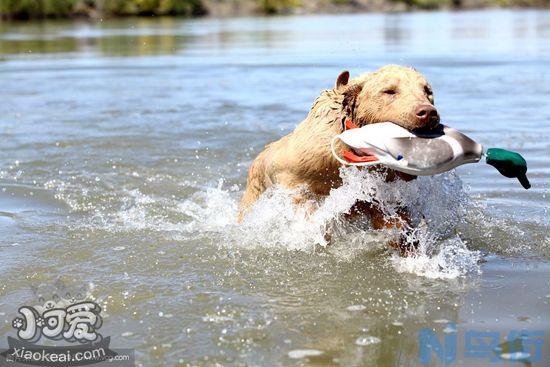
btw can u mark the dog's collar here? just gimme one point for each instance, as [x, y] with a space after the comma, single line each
[348, 124]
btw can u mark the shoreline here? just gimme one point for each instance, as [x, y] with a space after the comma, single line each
[85, 19]
[100, 9]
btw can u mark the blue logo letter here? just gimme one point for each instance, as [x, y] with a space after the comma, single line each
[428, 342]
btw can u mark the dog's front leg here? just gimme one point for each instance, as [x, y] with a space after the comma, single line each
[401, 222]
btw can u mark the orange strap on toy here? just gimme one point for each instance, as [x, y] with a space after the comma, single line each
[350, 156]
[353, 158]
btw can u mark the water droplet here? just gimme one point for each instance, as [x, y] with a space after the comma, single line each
[516, 356]
[367, 340]
[304, 353]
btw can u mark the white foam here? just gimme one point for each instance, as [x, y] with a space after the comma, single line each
[367, 340]
[304, 353]
[356, 308]
[437, 206]
[515, 356]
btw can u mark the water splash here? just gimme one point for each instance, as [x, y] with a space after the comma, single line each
[437, 205]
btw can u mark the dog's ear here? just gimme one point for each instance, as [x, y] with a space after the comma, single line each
[342, 80]
[350, 98]
[351, 93]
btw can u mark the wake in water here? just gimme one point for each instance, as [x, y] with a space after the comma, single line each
[438, 205]
[442, 215]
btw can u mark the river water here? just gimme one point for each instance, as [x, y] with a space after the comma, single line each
[125, 145]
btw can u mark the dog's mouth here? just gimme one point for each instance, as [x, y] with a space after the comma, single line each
[428, 131]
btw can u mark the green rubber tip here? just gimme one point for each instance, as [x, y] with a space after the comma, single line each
[509, 164]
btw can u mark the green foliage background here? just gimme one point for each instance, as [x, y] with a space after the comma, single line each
[27, 9]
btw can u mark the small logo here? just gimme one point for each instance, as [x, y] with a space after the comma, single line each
[518, 345]
[66, 319]
[73, 322]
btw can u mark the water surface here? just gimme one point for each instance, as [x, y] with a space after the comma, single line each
[125, 146]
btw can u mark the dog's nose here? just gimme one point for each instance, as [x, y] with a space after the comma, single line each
[427, 115]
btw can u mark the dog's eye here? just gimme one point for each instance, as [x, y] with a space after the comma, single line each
[428, 91]
[389, 91]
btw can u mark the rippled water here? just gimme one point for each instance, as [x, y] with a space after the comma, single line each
[125, 146]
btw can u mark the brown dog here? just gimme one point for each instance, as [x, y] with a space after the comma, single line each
[303, 158]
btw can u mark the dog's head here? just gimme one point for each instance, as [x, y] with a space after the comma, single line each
[393, 93]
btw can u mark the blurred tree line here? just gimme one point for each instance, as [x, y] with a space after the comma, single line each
[28, 9]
